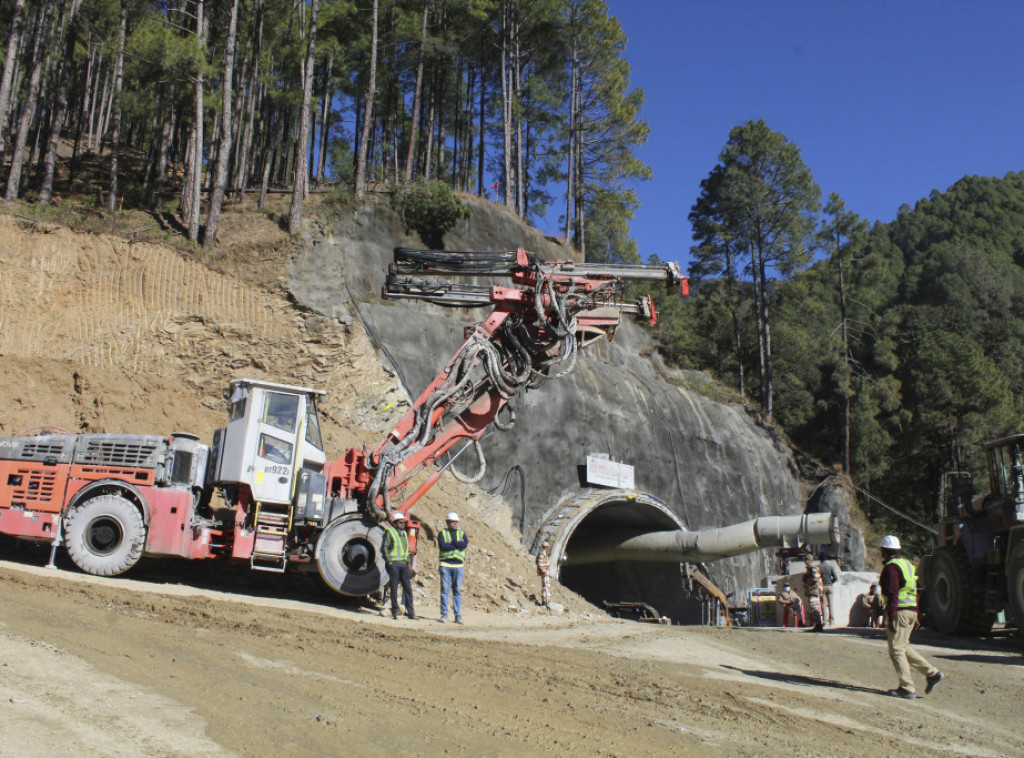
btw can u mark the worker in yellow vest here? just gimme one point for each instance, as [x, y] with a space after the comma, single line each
[451, 544]
[898, 582]
[396, 560]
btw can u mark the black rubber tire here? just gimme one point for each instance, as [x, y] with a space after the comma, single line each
[954, 605]
[1015, 585]
[348, 556]
[105, 535]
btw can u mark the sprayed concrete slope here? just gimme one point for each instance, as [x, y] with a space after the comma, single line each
[713, 464]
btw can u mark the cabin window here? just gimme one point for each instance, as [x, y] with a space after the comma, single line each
[281, 411]
[313, 426]
[275, 450]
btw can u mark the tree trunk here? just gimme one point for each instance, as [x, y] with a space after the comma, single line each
[738, 345]
[764, 332]
[192, 191]
[517, 71]
[301, 148]
[570, 189]
[428, 158]
[224, 147]
[166, 135]
[10, 63]
[414, 121]
[253, 91]
[29, 108]
[84, 104]
[480, 129]
[115, 130]
[57, 121]
[506, 103]
[371, 88]
[96, 98]
[108, 99]
[325, 124]
[847, 358]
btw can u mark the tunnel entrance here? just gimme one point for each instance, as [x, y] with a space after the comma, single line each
[592, 514]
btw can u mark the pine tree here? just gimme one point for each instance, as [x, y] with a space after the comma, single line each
[761, 201]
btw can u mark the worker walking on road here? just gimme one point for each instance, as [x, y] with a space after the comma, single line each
[544, 572]
[452, 543]
[898, 582]
[396, 559]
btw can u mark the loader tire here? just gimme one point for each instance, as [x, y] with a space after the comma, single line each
[954, 605]
[105, 535]
[1015, 585]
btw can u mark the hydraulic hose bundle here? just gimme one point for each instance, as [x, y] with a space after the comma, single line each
[533, 334]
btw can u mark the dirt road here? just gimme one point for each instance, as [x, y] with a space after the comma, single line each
[150, 666]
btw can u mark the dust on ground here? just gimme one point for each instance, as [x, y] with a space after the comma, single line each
[102, 333]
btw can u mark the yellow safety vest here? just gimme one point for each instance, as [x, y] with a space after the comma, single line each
[908, 592]
[450, 537]
[399, 550]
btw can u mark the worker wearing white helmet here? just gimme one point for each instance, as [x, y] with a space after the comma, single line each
[451, 544]
[396, 559]
[898, 583]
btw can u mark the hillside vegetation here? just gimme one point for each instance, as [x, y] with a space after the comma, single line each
[906, 339]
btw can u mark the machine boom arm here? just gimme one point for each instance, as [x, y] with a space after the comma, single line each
[532, 334]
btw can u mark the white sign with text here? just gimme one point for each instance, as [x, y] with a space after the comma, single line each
[608, 473]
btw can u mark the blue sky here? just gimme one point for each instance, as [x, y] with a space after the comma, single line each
[886, 100]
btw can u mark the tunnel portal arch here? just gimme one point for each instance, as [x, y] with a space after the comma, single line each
[587, 514]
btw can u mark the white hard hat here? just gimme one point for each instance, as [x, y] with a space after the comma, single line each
[453, 516]
[398, 516]
[890, 542]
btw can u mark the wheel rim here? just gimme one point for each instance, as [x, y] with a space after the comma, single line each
[358, 555]
[104, 535]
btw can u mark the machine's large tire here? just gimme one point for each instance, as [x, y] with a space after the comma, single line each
[105, 535]
[1015, 585]
[954, 605]
[349, 558]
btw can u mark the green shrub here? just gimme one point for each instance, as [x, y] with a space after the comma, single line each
[430, 209]
[340, 195]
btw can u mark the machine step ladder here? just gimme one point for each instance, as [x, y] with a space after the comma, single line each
[269, 552]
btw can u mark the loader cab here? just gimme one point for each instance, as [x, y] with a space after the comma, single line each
[1005, 505]
[1005, 468]
[272, 441]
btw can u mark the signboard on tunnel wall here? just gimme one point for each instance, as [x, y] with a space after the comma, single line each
[604, 472]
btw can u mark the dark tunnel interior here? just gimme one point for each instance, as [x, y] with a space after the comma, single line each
[656, 584]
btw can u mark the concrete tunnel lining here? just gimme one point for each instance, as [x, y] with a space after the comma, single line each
[590, 512]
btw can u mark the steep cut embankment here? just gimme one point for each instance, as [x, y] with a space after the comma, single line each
[100, 335]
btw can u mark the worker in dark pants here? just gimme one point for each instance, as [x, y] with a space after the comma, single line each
[899, 590]
[396, 559]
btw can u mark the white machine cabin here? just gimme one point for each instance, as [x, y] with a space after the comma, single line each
[272, 435]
